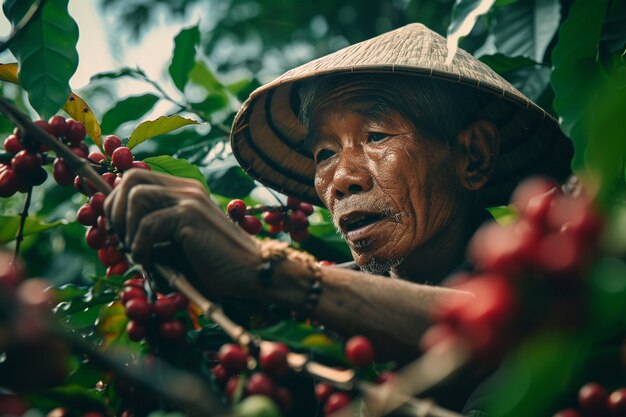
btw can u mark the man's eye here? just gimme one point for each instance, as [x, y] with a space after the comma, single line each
[323, 155]
[376, 136]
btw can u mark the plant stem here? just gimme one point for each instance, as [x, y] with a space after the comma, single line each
[20, 230]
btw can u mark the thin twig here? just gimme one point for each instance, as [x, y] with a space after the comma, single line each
[20, 230]
[345, 379]
[26, 20]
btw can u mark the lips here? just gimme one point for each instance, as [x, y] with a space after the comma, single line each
[358, 220]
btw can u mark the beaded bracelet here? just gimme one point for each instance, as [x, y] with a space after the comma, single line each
[273, 252]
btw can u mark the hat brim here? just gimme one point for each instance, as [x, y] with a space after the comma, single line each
[268, 139]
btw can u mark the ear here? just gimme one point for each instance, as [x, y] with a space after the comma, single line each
[480, 143]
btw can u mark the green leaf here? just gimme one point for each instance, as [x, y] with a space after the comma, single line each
[152, 128]
[503, 64]
[204, 77]
[227, 179]
[464, 16]
[576, 70]
[46, 53]
[303, 336]
[33, 225]
[526, 28]
[504, 214]
[176, 167]
[183, 58]
[131, 108]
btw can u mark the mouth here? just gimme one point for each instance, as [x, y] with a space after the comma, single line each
[358, 220]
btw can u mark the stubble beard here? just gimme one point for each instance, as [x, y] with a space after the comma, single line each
[374, 265]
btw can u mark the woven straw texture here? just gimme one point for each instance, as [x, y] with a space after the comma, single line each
[267, 138]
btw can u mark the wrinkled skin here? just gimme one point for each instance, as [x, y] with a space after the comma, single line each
[387, 166]
[422, 188]
[148, 209]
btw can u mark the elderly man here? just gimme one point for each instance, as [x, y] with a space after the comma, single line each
[404, 149]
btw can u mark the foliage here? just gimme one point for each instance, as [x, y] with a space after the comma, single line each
[566, 55]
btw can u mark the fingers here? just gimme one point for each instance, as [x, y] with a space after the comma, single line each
[117, 204]
[157, 227]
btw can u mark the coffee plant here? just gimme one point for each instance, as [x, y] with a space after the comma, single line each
[86, 332]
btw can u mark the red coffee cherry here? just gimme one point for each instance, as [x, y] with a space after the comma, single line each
[172, 330]
[25, 162]
[96, 156]
[44, 125]
[236, 210]
[260, 384]
[86, 215]
[180, 301]
[220, 374]
[12, 144]
[359, 351]
[298, 220]
[284, 398]
[164, 308]
[97, 203]
[273, 358]
[231, 386]
[96, 238]
[306, 208]
[293, 203]
[78, 186]
[593, 399]
[130, 293]
[58, 125]
[138, 309]
[118, 269]
[109, 177]
[272, 217]
[93, 414]
[9, 182]
[617, 403]
[136, 331]
[385, 376]
[110, 255]
[336, 402]
[276, 228]
[111, 143]
[233, 358]
[62, 173]
[251, 224]
[299, 235]
[122, 158]
[75, 133]
[323, 391]
[135, 282]
[141, 165]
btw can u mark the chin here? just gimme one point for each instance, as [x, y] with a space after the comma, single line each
[374, 260]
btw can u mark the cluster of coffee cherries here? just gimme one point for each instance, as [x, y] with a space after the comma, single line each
[547, 250]
[269, 374]
[360, 353]
[594, 400]
[292, 218]
[152, 320]
[111, 165]
[25, 168]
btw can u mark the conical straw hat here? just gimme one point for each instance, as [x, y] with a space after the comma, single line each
[268, 139]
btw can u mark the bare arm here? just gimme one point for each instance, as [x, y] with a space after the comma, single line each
[147, 209]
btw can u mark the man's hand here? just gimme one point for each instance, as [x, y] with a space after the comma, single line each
[150, 209]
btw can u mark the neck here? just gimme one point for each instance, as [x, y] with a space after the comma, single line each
[435, 260]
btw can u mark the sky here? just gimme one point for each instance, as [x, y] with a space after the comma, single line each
[151, 54]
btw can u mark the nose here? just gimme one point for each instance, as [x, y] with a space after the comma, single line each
[352, 175]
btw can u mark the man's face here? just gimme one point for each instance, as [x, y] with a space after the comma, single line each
[390, 189]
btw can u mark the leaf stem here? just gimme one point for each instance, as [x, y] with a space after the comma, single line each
[20, 230]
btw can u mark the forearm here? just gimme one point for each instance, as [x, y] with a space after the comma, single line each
[393, 313]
